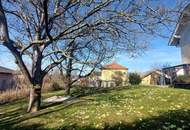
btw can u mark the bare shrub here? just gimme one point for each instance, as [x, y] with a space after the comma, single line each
[13, 94]
[21, 88]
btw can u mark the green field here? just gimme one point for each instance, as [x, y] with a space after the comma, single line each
[134, 108]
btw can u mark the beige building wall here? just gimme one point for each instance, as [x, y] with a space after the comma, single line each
[108, 74]
[146, 80]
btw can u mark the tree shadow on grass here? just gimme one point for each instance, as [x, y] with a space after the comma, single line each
[85, 91]
[11, 118]
[25, 127]
[172, 120]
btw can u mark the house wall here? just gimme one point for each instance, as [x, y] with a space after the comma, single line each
[185, 53]
[184, 34]
[155, 79]
[185, 44]
[180, 72]
[6, 81]
[108, 84]
[152, 79]
[146, 80]
[108, 74]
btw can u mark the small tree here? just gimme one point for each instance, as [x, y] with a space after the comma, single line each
[134, 79]
[83, 59]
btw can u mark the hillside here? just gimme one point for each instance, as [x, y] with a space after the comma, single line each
[138, 107]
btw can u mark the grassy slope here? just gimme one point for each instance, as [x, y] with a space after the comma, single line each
[143, 108]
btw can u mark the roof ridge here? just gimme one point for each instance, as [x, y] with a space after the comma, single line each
[5, 70]
[115, 65]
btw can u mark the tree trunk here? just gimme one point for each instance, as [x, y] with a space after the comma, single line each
[68, 83]
[67, 90]
[68, 76]
[35, 100]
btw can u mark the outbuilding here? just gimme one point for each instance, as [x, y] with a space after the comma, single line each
[155, 77]
[6, 78]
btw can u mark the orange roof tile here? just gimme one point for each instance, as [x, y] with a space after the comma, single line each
[115, 66]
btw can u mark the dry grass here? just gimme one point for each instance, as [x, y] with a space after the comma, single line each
[13, 94]
[21, 89]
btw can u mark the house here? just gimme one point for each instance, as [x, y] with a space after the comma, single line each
[92, 80]
[181, 38]
[6, 78]
[155, 77]
[178, 70]
[113, 71]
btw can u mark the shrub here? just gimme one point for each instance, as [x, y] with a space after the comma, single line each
[118, 81]
[182, 79]
[21, 89]
[56, 86]
[134, 79]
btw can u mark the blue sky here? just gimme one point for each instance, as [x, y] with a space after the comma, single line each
[159, 53]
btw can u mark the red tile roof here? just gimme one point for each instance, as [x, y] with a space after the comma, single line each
[115, 66]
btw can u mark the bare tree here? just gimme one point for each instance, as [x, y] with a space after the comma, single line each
[30, 40]
[160, 66]
[31, 28]
[83, 59]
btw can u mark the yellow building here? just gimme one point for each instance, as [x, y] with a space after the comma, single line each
[114, 69]
[155, 77]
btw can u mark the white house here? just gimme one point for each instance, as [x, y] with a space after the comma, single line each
[181, 35]
[178, 70]
[181, 38]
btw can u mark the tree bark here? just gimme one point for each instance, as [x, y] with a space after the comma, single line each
[35, 100]
[68, 74]
[68, 89]
[68, 78]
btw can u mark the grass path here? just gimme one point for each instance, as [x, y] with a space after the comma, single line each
[135, 108]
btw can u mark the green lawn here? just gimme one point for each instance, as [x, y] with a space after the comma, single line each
[135, 108]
